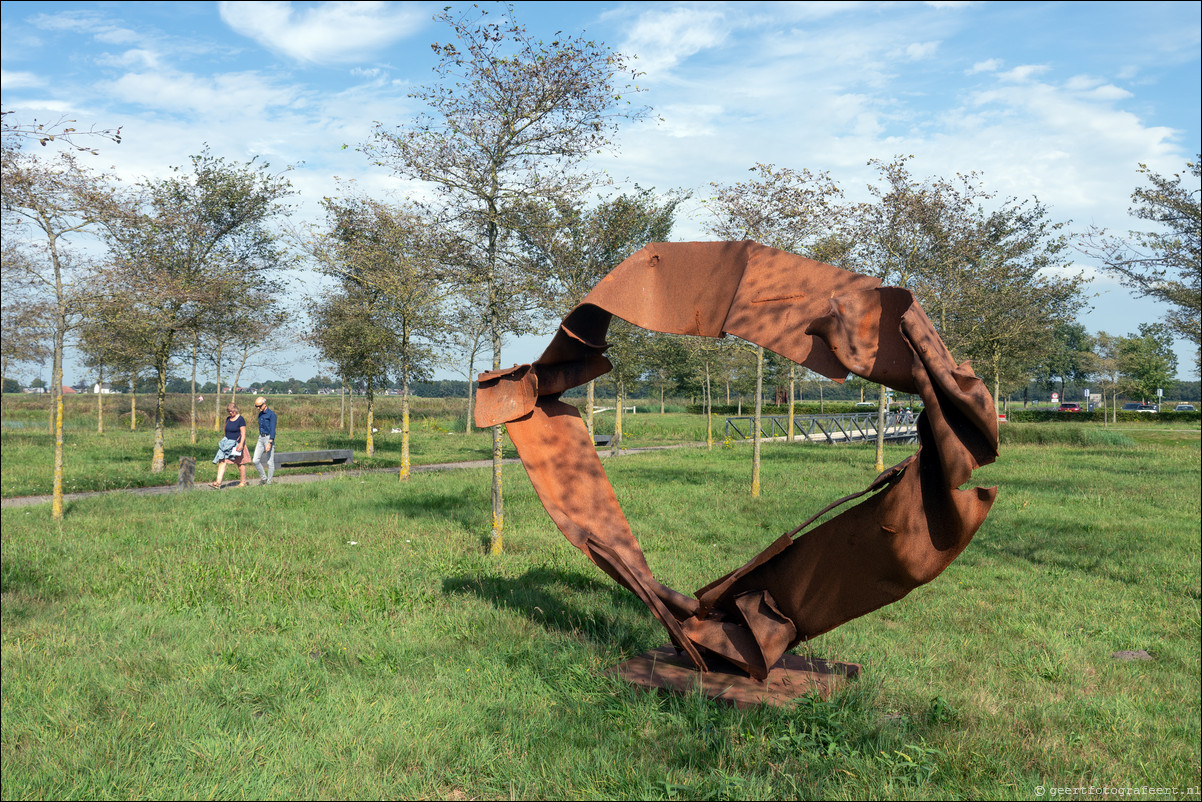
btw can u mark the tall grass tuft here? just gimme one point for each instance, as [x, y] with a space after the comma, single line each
[1062, 434]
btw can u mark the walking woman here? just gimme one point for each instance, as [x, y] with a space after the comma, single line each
[231, 450]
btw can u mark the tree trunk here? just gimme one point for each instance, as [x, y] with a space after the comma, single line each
[997, 374]
[471, 383]
[756, 434]
[100, 400]
[217, 397]
[195, 356]
[496, 540]
[237, 380]
[370, 448]
[405, 418]
[342, 405]
[709, 410]
[589, 406]
[615, 444]
[56, 507]
[350, 412]
[792, 388]
[133, 403]
[158, 460]
[881, 411]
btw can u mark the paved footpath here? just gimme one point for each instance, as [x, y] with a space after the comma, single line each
[299, 478]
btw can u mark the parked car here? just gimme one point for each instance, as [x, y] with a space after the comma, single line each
[1070, 407]
[1185, 408]
[1132, 406]
[865, 405]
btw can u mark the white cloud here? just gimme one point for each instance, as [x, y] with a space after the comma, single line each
[20, 80]
[87, 22]
[137, 57]
[236, 95]
[921, 50]
[989, 65]
[1023, 72]
[117, 36]
[330, 32]
[663, 39]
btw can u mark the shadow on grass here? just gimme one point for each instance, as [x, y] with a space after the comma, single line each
[564, 601]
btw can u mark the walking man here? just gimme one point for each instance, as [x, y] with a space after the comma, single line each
[266, 439]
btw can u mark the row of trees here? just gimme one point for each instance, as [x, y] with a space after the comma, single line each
[167, 266]
[510, 230]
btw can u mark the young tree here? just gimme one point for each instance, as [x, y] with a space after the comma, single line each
[1146, 360]
[259, 340]
[388, 259]
[576, 247]
[191, 252]
[1069, 357]
[1004, 319]
[907, 237]
[352, 329]
[56, 200]
[1165, 264]
[108, 344]
[25, 318]
[467, 339]
[785, 209]
[1107, 371]
[628, 353]
[509, 121]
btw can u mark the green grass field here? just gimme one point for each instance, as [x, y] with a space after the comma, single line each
[351, 638]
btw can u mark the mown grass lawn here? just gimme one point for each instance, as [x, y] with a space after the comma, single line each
[350, 638]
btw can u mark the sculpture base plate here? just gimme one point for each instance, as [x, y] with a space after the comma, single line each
[793, 676]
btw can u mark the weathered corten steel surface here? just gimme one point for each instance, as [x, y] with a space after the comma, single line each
[912, 524]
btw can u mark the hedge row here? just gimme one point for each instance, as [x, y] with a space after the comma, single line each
[1099, 416]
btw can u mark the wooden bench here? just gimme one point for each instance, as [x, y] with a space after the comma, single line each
[301, 459]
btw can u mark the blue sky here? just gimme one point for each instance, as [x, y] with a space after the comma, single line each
[1056, 100]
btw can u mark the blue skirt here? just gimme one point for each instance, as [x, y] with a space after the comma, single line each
[225, 450]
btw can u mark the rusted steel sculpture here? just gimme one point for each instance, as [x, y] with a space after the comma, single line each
[911, 527]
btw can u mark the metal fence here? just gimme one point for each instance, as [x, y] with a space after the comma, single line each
[845, 428]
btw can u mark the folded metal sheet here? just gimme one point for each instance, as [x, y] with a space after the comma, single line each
[914, 521]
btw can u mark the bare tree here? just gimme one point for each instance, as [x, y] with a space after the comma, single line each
[62, 130]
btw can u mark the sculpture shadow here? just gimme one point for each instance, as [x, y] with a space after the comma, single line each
[565, 601]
